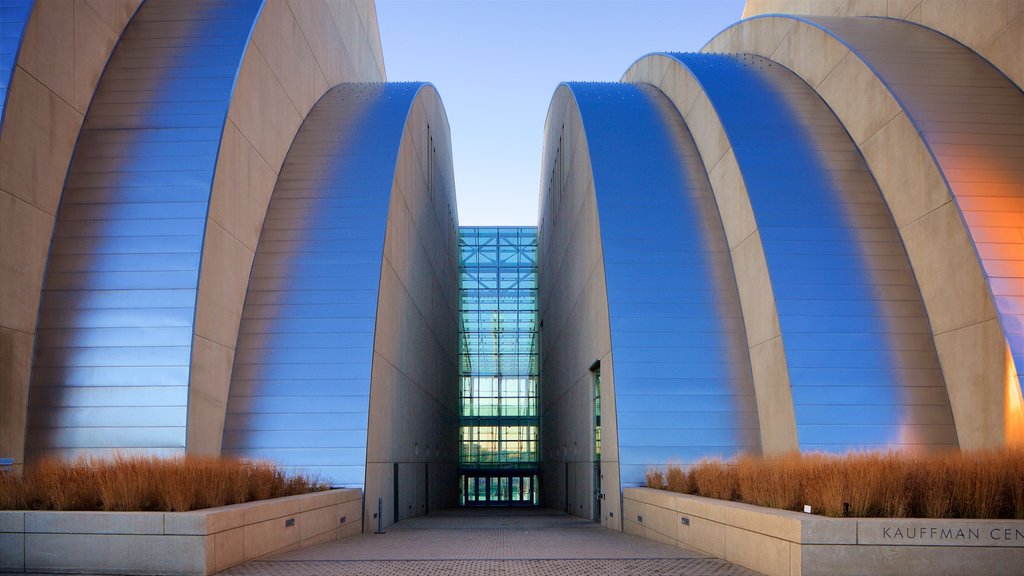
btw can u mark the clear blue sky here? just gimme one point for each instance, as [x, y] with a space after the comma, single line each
[496, 65]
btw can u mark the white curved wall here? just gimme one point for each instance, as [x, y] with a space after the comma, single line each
[64, 50]
[298, 50]
[993, 28]
[973, 348]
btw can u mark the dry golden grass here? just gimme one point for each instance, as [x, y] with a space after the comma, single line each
[677, 480]
[772, 483]
[127, 483]
[656, 478]
[714, 479]
[983, 484]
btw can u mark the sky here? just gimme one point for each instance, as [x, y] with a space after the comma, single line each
[496, 65]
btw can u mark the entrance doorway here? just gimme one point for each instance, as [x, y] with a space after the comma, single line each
[498, 489]
[595, 371]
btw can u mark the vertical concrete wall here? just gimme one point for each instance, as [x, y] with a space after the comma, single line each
[64, 50]
[574, 323]
[412, 435]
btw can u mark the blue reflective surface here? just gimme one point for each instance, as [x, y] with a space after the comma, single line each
[862, 365]
[683, 385]
[114, 342]
[300, 385]
[969, 116]
[14, 16]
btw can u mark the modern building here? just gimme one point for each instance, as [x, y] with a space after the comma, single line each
[222, 232]
[806, 237]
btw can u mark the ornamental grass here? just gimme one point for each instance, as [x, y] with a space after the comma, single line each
[147, 483]
[980, 484]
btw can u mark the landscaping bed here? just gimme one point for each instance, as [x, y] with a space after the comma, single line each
[147, 483]
[975, 485]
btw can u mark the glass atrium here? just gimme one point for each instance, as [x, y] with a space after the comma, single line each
[499, 426]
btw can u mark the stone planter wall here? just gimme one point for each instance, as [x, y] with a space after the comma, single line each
[179, 543]
[779, 542]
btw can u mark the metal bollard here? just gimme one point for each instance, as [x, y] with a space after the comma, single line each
[380, 515]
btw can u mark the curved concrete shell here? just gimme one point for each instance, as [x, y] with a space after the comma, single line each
[333, 289]
[862, 367]
[174, 168]
[636, 276]
[113, 349]
[63, 49]
[992, 28]
[298, 49]
[914, 102]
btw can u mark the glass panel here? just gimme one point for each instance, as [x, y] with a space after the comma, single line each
[498, 360]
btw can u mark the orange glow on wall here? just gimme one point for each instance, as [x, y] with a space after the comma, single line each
[1014, 418]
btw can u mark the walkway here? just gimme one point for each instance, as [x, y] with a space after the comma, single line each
[507, 542]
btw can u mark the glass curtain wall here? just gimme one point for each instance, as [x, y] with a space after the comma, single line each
[498, 366]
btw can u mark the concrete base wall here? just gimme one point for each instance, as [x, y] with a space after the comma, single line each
[779, 542]
[179, 543]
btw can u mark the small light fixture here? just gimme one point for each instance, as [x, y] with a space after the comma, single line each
[807, 508]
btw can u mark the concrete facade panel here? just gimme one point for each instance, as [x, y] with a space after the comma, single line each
[766, 262]
[905, 156]
[44, 111]
[90, 30]
[345, 361]
[297, 51]
[990, 27]
[135, 205]
[652, 408]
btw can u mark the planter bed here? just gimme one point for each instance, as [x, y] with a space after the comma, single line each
[180, 543]
[780, 542]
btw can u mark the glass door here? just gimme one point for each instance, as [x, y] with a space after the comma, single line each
[499, 490]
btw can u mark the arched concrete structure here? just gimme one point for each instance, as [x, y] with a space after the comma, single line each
[298, 49]
[856, 343]
[294, 52]
[64, 48]
[113, 349]
[637, 297]
[760, 316]
[992, 28]
[955, 193]
[347, 363]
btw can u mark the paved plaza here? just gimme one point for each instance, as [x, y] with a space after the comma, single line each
[508, 542]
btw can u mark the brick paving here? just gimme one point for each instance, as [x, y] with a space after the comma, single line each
[506, 542]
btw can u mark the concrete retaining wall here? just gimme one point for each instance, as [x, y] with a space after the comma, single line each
[180, 543]
[779, 542]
